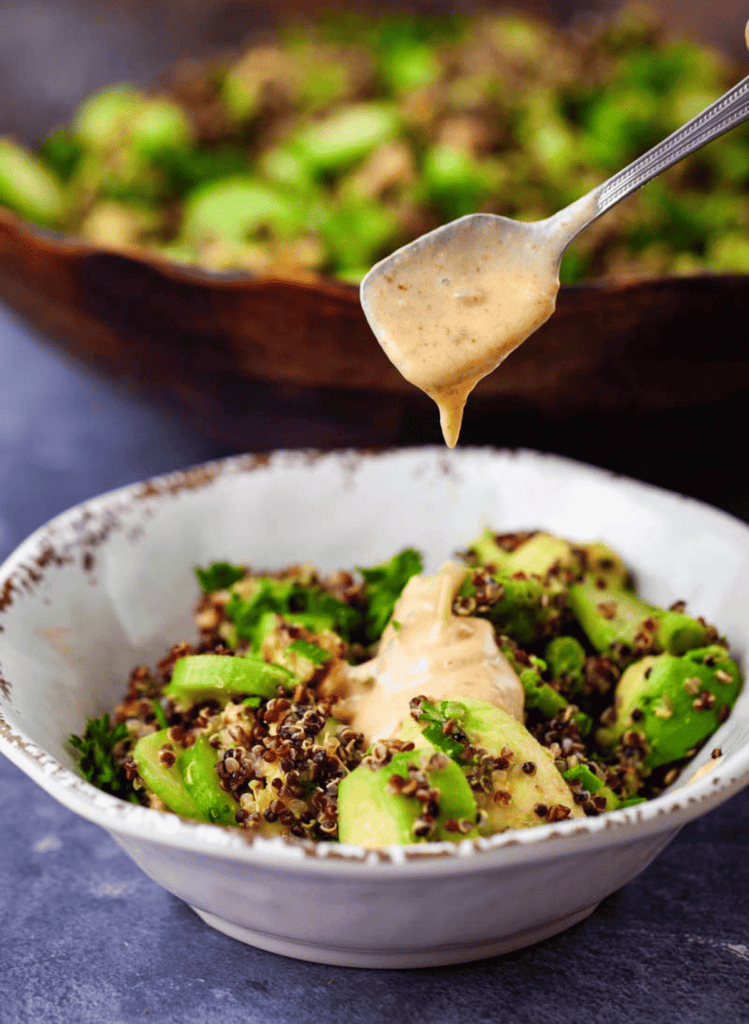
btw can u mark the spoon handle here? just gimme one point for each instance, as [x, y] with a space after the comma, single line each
[731, 109]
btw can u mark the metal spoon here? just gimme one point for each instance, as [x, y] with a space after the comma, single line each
[423, 301]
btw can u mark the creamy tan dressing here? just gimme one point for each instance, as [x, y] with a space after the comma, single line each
[448, 308]
[427, 650]
[448, 321]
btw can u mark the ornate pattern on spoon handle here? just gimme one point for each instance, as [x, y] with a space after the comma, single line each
[725, 113]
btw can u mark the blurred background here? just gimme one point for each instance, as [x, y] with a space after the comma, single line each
[661, 396]
[53, 54]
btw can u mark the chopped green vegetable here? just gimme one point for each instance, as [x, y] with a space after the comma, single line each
[582, 774]
[197, 766]
[618, 622]
[218, 576]
[28, 187]
[165, 780]
[372, 812]
[383, 586]
[565, 657]
[436, 717]
[96, 757]
[201, 677]
[237, 207]
[186, 168]
[61, 152]
[102, 120]
[159, 714]
[159, 125]
[315, 601]
[346, 136]
[305, 649]
[310, 604]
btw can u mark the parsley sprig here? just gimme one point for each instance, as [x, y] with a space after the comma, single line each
[435, 716]
[383, 585]
[218, 576]
[290, 598]
[96, 759]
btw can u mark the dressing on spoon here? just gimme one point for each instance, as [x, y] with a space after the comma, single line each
[449, 307]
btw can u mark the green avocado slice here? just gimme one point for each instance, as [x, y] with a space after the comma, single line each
[611, 616]
[672, 703]
[530, 781]
[536, 555]
[197, 766]
[201, 677]
[166, 782]
[372, 813]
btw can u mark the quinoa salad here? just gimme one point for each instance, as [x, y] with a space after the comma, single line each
[525, 682]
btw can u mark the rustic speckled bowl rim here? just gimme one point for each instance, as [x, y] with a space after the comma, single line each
[56, 540]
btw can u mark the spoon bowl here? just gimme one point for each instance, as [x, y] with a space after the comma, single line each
[446, 311]
[450, 306]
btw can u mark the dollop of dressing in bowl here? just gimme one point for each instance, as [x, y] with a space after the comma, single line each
[452, 306]
[427, 650]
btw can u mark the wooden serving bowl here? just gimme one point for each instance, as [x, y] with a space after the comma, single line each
[621, 368]
[216, 345]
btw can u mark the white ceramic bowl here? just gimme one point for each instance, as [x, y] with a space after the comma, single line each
[109, 585]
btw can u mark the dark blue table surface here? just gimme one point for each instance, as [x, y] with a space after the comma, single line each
[86, 937]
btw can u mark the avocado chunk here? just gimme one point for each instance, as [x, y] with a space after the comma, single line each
[541, 696]
[201, 677]
[28, 187]
[164, 780]
[617, 620]
[602, 562]
[565, 658]
[581, 778]
[667, 705]
[197, 766]
[374, 810]
[529, 790]
[521, 579]
[537, 554]
[346, 136]
[524, 607]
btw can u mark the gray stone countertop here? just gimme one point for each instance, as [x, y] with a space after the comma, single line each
[86, 937]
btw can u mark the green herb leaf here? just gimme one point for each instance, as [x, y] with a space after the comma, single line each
[218, 576]
[159, 714]
[383, 585]
[290, 597]
[435, 717]
[316, 601]
[306, 649]
[270, 596]
[96, 757]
